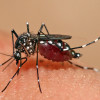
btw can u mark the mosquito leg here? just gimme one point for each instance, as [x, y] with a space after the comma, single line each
[8, 65]
[43, 25]
[5, 61]
[87, 44]
[25, 60]
[13, 32]
[89, 68]
[22, 63]
[11, 79]
[13, 76]
[37, 70]
[27, 27]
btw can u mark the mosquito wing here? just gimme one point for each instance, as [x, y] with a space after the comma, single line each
[54, 37]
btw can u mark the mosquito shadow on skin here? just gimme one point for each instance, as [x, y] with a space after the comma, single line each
[47, 64]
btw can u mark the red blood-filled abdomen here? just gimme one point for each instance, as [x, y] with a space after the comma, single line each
[52, 52]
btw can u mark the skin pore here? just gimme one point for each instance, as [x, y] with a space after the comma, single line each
[58, 80]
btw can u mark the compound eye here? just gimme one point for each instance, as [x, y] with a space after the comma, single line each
[18, 54]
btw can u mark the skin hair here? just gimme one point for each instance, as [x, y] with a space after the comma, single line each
[59, 81]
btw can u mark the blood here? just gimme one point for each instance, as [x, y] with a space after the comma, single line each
[52, 52]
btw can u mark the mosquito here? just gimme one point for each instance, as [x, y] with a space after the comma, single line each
[48, 45]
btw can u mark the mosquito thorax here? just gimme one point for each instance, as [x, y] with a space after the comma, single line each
[25, 42]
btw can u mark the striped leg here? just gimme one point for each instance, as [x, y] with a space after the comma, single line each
[87, 44]
[11, 79]
[13, 33]
[16, 73]
[37, 69]
[27, 27]
[43, 25]
[89, 68]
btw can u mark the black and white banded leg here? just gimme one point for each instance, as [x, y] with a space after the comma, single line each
[11, 78]
[88, 68]
[11, 57]
[22, 62]
[37, 69]
[13, 32]
[43, 25]
[15, 73]
[27, 27]
[87, 44]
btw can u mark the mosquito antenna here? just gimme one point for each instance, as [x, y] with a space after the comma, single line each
[5, 61]
[8, 65]
[6, 54]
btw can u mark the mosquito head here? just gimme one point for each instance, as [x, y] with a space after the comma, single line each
[17, 55]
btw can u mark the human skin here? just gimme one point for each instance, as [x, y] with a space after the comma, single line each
[59, 80]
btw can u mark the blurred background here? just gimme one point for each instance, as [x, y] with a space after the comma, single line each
[78, 18]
